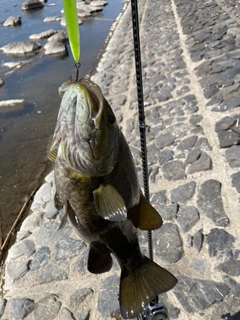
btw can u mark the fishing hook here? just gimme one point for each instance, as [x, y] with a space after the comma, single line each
[78, 66]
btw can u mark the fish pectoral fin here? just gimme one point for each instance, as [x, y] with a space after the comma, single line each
[109, 203]
[144, 216]
[99, 258]
[52, 149]
[140, 286]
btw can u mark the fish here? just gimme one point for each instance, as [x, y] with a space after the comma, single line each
[97, 185]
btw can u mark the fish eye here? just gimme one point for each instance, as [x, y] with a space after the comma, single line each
[112, 120]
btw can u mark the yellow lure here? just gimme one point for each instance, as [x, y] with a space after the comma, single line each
[70, 12]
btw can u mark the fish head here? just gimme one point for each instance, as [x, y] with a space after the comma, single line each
[86, 133]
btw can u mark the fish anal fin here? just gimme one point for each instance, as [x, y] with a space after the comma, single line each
[109, 203]
[99, 258]
[139, 287]
[144, 216]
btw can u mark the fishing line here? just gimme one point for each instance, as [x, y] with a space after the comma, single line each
[71, 17]
[141, 113]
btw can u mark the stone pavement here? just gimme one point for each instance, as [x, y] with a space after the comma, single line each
[191, 69]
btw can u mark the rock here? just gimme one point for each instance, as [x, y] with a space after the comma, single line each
[203, 144]
[43, 35]
[47, 308]
[233, 285]
[233, 156]
[17, 65]
[49, 233]
[95, 8]
[53, 272]
[203, 163]
[228, 138]
[17, 269]
[3, 303]
[210, 202]
[187, 144]
[67, 248]
[208, 293]
[164, 140]
[13, 21]
[41, 258]
[81, 263]
[225, 124]
[51, 19]
[32, 4]
[183, 193]
[230, 267]
[169, 248]
[65, 314]
[228, 309]
[55, 47]
[16, 103]
[78, 297]
[20, 308]
[198, 241]
[195, 119]
[193, 156]
[59, 36]
[159, 197]
[21, 48]
[51, 211]
[98, 3]
[187, 217]
[232, 101]
[83, 13]
[63, 21]
[174, 170]
[23, 248]
[108, 296]
[165, 156]
[198, 295]
[219, 240]
[236, 181]
[152, 151]
[168, 213]
[198, 265]
[210, 91]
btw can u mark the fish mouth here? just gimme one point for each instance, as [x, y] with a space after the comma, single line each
[91, 96]
[95, 102]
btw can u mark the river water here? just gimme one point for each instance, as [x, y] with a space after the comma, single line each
[24, 133]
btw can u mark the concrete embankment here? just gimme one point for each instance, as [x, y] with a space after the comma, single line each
[190, 58]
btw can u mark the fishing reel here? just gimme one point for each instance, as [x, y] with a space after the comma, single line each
[154, 312]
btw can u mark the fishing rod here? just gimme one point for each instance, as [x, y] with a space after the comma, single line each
[155, 310]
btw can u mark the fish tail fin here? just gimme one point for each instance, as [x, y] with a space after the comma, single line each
[139, 287]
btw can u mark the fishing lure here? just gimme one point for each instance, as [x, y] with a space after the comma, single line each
[71, 17]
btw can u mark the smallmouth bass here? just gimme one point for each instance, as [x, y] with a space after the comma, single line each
[97, 184]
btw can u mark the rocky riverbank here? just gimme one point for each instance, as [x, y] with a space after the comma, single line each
[190, 55]
[47, 42]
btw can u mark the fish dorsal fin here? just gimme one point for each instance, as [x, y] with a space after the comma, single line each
[144, 216]
[52, 149]
[109, 203]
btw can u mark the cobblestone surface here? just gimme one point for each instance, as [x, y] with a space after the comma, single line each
[190, 57]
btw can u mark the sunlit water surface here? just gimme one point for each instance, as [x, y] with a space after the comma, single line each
[24, 132]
